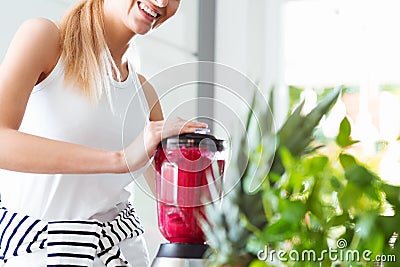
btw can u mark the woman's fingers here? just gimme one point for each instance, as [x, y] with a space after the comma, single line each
[158, 130]
[190, 125]
[141, 149]
[196, 124]
[180, 126]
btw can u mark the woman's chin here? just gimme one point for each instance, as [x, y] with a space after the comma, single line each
[142, 30]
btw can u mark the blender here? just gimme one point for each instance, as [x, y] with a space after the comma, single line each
[189, 171]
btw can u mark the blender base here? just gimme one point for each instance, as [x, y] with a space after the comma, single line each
[180, 255]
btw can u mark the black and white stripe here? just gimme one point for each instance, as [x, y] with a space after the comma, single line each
[68, 243]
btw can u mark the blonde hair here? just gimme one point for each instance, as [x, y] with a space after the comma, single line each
[87, 60]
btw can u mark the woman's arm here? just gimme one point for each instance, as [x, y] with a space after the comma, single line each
[32, 55]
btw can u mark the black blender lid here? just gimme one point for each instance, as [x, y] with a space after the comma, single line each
[195, 139]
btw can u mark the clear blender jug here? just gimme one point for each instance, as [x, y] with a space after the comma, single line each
[189, 171]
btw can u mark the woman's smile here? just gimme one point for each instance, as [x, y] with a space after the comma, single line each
[148, 12]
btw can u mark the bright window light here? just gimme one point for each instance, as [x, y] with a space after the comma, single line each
[342, 41]
[355, 43]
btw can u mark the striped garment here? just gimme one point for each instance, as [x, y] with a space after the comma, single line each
[69, 243]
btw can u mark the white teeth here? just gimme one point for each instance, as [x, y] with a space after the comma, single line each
[148, 10]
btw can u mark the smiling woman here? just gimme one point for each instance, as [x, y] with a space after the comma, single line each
[62, 157]
[83, 28]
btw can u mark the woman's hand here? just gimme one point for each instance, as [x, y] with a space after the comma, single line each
[156, 131]
[142, 148]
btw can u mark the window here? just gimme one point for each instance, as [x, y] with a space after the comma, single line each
[355, 43]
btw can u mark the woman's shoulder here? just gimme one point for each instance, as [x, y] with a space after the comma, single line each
[41, 29]
[41, 23]
[42, 37]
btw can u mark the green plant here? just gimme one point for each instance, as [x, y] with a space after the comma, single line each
[228, 230]
[315, 198]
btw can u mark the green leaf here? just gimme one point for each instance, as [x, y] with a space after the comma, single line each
[359, 176]
[339, 220]
[345, 128]
[350, 196]
[392, 194]
[356, 173]
[279, 231]
[316, 164]
[258, 263]
[314, 202]
[287, 159]
[336, 184]
[344, 139]
[293, 211]
[389, 224]
[262, 166]
[297, 131]
[375, 242]
[347, 160]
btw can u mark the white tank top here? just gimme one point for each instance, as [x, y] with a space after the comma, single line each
[61, 113]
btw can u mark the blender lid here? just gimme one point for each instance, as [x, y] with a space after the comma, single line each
[193, 139]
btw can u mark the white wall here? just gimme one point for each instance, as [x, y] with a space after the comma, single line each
[174, 43]
[249, 39]
[13, 13]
